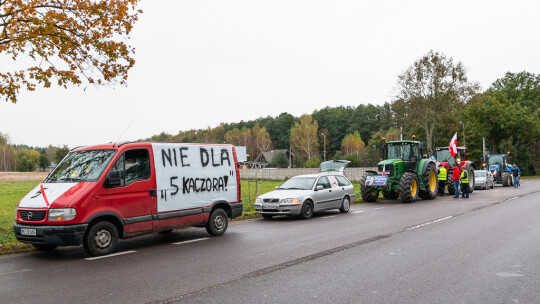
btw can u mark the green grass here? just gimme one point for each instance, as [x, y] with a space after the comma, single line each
[10, 194]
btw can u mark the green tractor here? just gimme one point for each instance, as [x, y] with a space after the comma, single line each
[403, 173]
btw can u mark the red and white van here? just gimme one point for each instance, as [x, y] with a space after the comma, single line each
[99, 194]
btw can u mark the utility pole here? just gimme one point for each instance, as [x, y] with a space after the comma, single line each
[461, 122]
[400, 133]
[484, 148]
[324, 146]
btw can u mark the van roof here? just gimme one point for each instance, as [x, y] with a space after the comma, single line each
[137, 143]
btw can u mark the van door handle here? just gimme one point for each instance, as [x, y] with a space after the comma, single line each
[153, 192]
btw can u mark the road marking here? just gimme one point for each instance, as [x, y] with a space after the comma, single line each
[378, 208]
[325, 217]
[513, 198]
[190, 241]
[508, 274]
[110, 255]
[428, 223]
[357, 212]
[15, 272]
[398, 205]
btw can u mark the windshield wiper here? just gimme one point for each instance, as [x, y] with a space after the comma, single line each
[71, 179]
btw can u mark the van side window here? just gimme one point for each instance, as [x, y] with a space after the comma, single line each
[323, 181]
[133, 166]
[342, 181]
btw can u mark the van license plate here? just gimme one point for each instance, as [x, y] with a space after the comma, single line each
[28, 231]
[270, 207]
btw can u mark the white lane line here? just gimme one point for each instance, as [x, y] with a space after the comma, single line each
[190, 241]
[378, 208]
[428, 223]
[397, 205]
[15, 272]
[355, 212]
[513, 198]
[325, 217]
[110, 255]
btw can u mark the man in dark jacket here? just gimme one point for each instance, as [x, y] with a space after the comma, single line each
[516, 174]
[455, 178]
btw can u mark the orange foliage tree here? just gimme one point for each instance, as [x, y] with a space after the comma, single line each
[65, 41]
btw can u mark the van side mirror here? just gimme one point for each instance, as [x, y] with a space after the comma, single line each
[113, 179]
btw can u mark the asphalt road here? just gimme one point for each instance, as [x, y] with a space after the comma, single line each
[485, 249]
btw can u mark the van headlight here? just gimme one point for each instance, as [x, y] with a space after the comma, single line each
[62, 214]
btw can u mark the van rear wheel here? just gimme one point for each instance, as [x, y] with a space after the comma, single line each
[101, 238]
[218, 222]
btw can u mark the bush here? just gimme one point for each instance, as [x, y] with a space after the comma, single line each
[355, 162]
[313, 162]
[281, 160]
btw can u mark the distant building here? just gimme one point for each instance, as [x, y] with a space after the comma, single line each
[266, 158]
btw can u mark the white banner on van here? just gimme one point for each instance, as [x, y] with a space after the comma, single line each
[189, 175]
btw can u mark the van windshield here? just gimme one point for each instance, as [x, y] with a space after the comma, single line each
[81, 166]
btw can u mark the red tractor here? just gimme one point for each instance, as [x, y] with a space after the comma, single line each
[442, 155]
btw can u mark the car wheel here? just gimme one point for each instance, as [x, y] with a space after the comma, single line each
[485, 186]
[307, 210]
[267, 216]
[345, 205]
[101, 238]
[218, 222]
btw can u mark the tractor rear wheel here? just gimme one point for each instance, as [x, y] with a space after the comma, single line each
[408, 187]
[506, 179]
[470, 170]
[369, 194]
[450, 185]
[429, 178]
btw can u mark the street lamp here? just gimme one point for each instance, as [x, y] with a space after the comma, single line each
[324, 146]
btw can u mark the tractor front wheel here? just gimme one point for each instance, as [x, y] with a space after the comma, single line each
[369, 194]
[408, 187]
[506, 179]
[429, 178]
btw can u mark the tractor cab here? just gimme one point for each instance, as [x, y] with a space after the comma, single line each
[443, 156]
[408, 151]
[498, 165]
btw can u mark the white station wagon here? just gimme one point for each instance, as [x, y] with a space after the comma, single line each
[305, 194]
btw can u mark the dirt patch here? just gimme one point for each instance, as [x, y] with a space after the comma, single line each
[22, 176]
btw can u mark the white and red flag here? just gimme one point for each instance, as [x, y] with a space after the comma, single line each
[384, 170]
[453, 145]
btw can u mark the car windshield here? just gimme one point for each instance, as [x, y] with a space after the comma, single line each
[298, 183]
[495, 159]
[480, 173]
[81, 166]
[399, 150]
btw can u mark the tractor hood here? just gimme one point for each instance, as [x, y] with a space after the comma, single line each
[389, 161]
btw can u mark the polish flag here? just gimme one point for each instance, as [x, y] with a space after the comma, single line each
[453, 145]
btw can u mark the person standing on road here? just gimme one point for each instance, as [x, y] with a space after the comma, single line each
[442, 179]
[455, 178]
[464, 177]
[516, 174]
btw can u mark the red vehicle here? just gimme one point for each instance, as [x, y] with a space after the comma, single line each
[99, 194]
[442, 155]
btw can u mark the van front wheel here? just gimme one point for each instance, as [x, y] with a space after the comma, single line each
[218, 222]
[101, 239]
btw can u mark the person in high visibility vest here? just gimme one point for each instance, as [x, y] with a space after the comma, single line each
[464, 177]
[442, 179]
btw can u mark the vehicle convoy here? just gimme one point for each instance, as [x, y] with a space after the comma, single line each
[303, 195]
[403, 173]
[442, 154]
[99, 194]
[499, 167]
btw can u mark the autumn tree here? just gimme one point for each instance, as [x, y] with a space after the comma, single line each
[65, 42]
[353, 144]
[261, 139]
[433, 90]
[304, 140]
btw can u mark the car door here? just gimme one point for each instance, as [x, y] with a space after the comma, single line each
[337, 191]
[346, 186]
[133, 199]
[323, 198]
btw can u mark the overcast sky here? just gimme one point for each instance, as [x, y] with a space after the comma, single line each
[200, 63]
